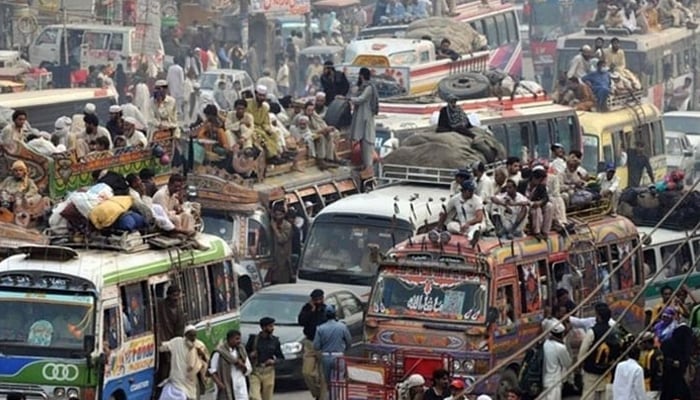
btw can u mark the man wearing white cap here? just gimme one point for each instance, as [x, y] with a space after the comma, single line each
[324, 138]
[129, 109]
[132, 133]
[188, 358]
[264, 133]
[114, 125]
[163, 110]
[269, 82]
[239, 124]
[62, 132]
[556, 361]
[320, 104]
[580, 65]
[176, 84]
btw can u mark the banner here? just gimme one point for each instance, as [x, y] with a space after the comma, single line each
[280, 7]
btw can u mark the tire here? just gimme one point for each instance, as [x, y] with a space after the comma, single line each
[509, 379]
[469, 85]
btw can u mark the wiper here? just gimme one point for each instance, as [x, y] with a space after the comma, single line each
[11, 341]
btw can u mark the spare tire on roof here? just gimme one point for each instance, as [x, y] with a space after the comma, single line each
[469, 85]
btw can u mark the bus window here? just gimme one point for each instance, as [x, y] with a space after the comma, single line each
[506, 305]
[590, 153]
[499, 132]
[478, 26]
[531, 298]
[604, 268]
[625, 275]
[565, 132]
[258, 240]
[543, 139]
[512, 26]
[195, 294]
[135, 304]
[563, 277]
[516, 140]
[222, 288]
[112, 334]
[491, 31]
[649, 262]
[117, 42]
[620, 145]
[502, 29]
[675, 264]
[657, 137]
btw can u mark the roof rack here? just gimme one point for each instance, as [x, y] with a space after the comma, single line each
[122, 241]
[392, 173]
[600, 31]
[619, 101]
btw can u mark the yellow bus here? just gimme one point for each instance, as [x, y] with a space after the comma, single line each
[609, 137]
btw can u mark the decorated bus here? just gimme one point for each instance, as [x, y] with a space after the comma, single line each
[83, 324]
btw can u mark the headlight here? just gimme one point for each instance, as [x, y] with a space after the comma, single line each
[72, 393]
[468, 366]
[292, 348]
[59, 392]
[456, 365]
[385, 358]
[374, 357]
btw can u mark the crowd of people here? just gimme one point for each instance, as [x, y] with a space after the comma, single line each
[531, 198]
[643, 16]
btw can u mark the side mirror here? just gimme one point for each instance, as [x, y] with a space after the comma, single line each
[688, 153]
[491, 315]
[88, 343]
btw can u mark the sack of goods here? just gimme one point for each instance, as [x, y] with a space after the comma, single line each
[464, 39]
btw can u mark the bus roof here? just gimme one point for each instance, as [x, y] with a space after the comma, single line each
[384, 46]
[41, 97]
[380, 202]
[662, 236]
[475, 9]
[595, 122]
[607, 229]
[105, 267]
[634, 42]
[93, 27]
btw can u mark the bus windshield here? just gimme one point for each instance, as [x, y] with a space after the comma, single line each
[449, 298]
[341, 250]
[39, 319]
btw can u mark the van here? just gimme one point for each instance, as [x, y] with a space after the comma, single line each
[209, 79]
[94, 45]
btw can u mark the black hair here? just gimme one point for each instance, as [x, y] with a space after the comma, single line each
[175, 178]
[240, 102]
[91, 119]
[512, 160]
[232, 333]
[146, 174]
[666, 287]
[18, 113]
[131, 178]
[576, 153]
[102, 141]
[439, 374]
[365, 73]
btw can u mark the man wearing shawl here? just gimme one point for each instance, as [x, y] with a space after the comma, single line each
[666, 325]
[19, 185]
[170, 323]
[264, 133]
[453, 118]
[599, 81]
[229, 367]
[188, 359]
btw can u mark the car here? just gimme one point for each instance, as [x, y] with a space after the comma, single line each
[283, 303]
[209, 79]
[687, 122]
[680, 155]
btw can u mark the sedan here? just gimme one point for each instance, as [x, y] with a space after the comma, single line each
[283, 303]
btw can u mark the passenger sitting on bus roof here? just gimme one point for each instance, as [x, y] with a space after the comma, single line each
[615, 56]
[239, 125]
[212, 131]
[572, 178]
[680, 96]
[580, 65]
[444, 51]
[637, 163]
[320, 104]
[510, 217]
[610, 186]
[513, 166]
[600, 83]
[578, 95]
[453, 118]
[99, 145]
[467, 209]
[19, 186]
[620, 85]
[133, 134]
[17, 129]
[541, 210]
[114, 124]
[264, 134]
[580, 170]
[485, 186]
[461, 175]
[598, 50]
[614, 17]
[170, 197]
[324, 136]
[675, 11]
[599, 16]
[92, 131]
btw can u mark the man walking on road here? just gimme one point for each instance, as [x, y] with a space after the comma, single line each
[332, 339]
[556, 361]
[598, 362]
[229, 367]
[311, 316]
[188, 358]
[628, 383]
[265, 350]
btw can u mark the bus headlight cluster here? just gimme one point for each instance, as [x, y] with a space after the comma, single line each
[376, 357]
[466, 366]
[63, 393]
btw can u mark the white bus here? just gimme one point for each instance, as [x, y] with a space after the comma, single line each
[83, 324]
[336, 248]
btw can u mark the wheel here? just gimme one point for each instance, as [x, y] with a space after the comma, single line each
[509, 380]
[469, 85]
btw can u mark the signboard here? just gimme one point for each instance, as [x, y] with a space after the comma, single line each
[147, 35]
[389, 81]
[280, 7]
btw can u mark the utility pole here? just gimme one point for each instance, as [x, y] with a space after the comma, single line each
[64, 35]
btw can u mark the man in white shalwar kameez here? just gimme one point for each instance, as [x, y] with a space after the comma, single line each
[229, 367]
[188, 358]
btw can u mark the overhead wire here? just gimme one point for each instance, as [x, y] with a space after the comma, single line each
[522, 349]
[604, 336]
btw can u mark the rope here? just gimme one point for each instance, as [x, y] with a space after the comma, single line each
[595, 345]
[590, 296]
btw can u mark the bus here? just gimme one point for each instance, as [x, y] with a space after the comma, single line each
[437, 297]
[549, 19]
[658, 252]
[83, 324]
[496, 20]
[382, 217]
[663, 61]
[44, 107]
[609, 136]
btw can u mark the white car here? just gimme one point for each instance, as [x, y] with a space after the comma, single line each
[209, 79]
[681, 154]
[687, 122]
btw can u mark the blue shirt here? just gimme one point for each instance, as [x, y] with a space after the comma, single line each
[332, 337]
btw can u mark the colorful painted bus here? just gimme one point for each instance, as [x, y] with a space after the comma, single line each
[437, 295]
[664, 62]
[83, 324]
